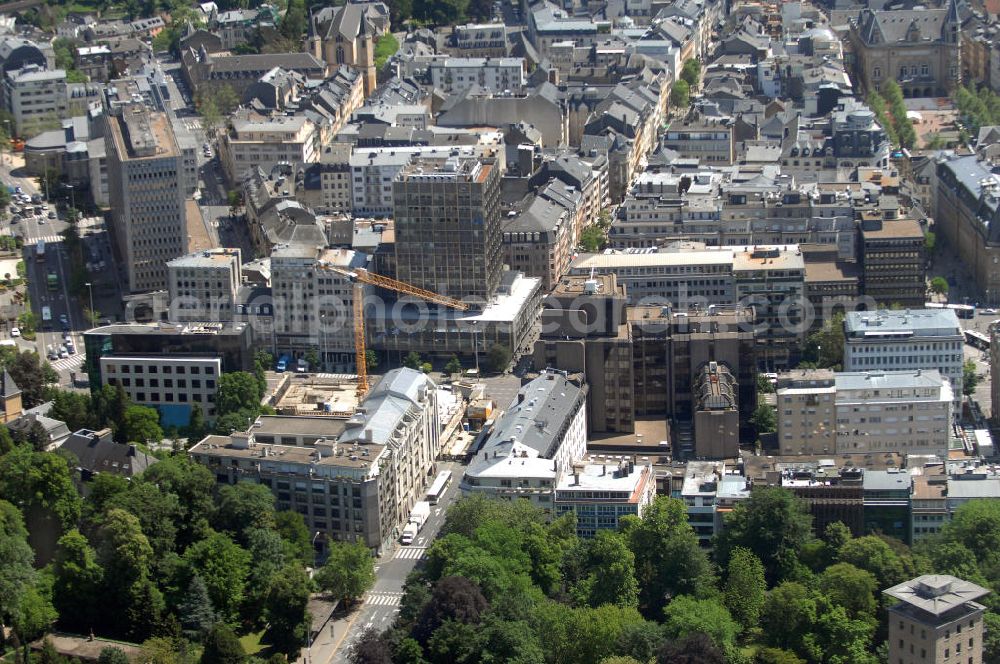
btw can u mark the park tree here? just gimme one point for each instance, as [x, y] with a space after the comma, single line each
[370, 648]
[40, 484]
[852, 588]
[745, 589]
[825, 346]
[873, 554]
[611, 579]
[285, 610]
[939, 285]
[77, 582]
[291, 526]
[349, 571]
[695, 648]
[454, 366]
[455, 599]
[788, 616]
[158, 512]
[668, 560]
[223, 565]
[126, 556]
[774, 525]
[243, 506]
[17, 571]
[686, 615]
[73, 408]
[193, 485]
[222, 646]
[195, 610]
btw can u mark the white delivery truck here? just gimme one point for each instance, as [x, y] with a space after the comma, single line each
[418, 517]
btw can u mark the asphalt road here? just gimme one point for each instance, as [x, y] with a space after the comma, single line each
[380, 606]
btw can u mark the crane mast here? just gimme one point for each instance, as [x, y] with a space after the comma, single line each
[359, 276]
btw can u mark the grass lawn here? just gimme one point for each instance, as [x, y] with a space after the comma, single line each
[385, 48]
[252, 642]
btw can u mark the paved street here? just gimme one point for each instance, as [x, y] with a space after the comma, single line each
[381, 604]
[55, 300]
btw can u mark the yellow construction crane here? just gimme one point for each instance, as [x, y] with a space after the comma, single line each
[360, 276]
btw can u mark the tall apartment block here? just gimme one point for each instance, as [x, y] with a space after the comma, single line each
[448, 233]
[936, 620]
[203, 285]
[145, 189]
[907, 339]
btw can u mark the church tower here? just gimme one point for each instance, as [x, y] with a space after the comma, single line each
[366, 55]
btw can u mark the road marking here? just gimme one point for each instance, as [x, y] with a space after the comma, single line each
[412, 553]
[67, 363]
[383, 599]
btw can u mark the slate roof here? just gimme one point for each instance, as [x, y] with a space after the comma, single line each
[8, 388]
[879, 27]
[347, 21]
[98, 453]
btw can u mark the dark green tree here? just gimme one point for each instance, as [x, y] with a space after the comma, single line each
[243, 506]
[774, 525]
[413, 360]
[292, 528]
[454, 366]
[970, 378]
[612, 573]
[498, 358]
[789, 616]
[193, 485]
[158, 512]
[223, 565]
[17, 572]
[111, 655]
[285, 609]
[77, 583]
[73, 408]
[41, 485]
[695, 648]
[222, 646]
[668, 560]
[691, 72]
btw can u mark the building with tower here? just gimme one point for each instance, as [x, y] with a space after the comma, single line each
[346, 35]
[447, 213]
[918, 48]
[936, 620]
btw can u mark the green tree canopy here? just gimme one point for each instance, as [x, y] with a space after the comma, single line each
[223, 565]
[773, 524]
[685, 616]
[745, 589]
[349, 571]
[680, 94]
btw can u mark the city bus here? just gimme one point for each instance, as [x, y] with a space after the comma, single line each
[40, 251]
[977, 340]
[961, 310]
[440, 485]
[46, 315]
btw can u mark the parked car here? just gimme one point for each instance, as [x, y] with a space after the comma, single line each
[15, 332]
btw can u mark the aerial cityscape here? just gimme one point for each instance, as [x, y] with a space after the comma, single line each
[500, 332]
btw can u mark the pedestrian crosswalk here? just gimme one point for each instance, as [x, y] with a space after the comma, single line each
[334, 376]
[412, 553]
[48, 239]
[70, 363]
[383, 599]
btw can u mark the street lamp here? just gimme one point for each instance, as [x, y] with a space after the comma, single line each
[322, 331]
[93, 314]
[475, 343]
